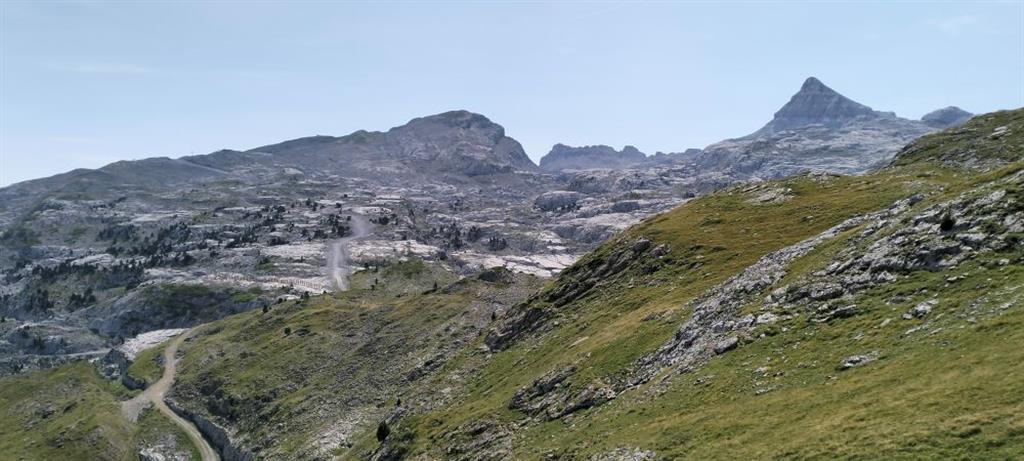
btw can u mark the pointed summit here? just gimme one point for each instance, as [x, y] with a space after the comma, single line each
[813, 84]
[816, 104]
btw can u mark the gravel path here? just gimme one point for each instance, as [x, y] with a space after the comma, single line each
[338, 264]
[155, 394]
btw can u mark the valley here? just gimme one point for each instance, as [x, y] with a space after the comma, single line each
[96, 255]
[848, 279]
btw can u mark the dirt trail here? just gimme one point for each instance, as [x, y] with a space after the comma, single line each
[338, 264]
[155, 394]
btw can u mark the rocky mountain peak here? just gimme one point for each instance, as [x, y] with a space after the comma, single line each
[460, 141]
[812, 84]
[631, 151]
[817, 104]
[455, 119]
[818, 129]
[563, 157]
[946, 117]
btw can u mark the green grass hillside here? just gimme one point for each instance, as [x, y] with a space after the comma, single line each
[73, 413]
[329, 367]
[986, 141]
[949, 389]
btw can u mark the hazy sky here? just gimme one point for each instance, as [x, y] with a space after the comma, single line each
[88, 83]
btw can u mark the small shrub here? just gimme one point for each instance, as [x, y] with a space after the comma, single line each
[947, 223]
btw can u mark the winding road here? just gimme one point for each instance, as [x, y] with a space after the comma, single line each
[155, 394]
[339, 269]
[338, 266]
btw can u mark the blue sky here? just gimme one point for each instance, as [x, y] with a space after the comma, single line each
[85, 84]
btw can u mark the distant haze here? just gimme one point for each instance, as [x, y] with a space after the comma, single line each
[86, 84]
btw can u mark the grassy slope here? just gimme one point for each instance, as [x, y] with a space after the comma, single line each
[969, 403]
[900, 407]
[408, 277]
[951, 393]
[711, 238]
[145, 367]
[154, 428]
[72, 413]
[343, 357]
[978, 139]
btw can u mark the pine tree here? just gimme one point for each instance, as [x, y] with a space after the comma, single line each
[383, 431]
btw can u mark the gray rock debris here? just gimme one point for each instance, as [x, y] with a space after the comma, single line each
[920, 310]
[627, 454]
[893, 242]
[558, 200]
[726, 345]
[162, 453]
[574, 283]
[551, 396]
[479, 440]
[904, 243]
[715, 312]
[858, 360]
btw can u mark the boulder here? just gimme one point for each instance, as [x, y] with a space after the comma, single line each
[559, 200]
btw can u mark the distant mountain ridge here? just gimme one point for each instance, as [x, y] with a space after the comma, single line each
[455, 142]
[947, 117]
[819, 129]
[455, 146]
[563, 157]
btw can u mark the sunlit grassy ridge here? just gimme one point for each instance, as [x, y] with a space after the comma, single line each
[987, 140]
[628, 316]
[903, 406]
[954, 394]
[953, 391]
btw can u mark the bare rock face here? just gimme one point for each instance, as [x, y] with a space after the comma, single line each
[455, 142]
[818, 104]
[558, 200]
[461, 142]
[946, 117]
[563, 158]
[484, 439]
[818, 130]
[455, 146]
[675, 157]
[157, 307]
